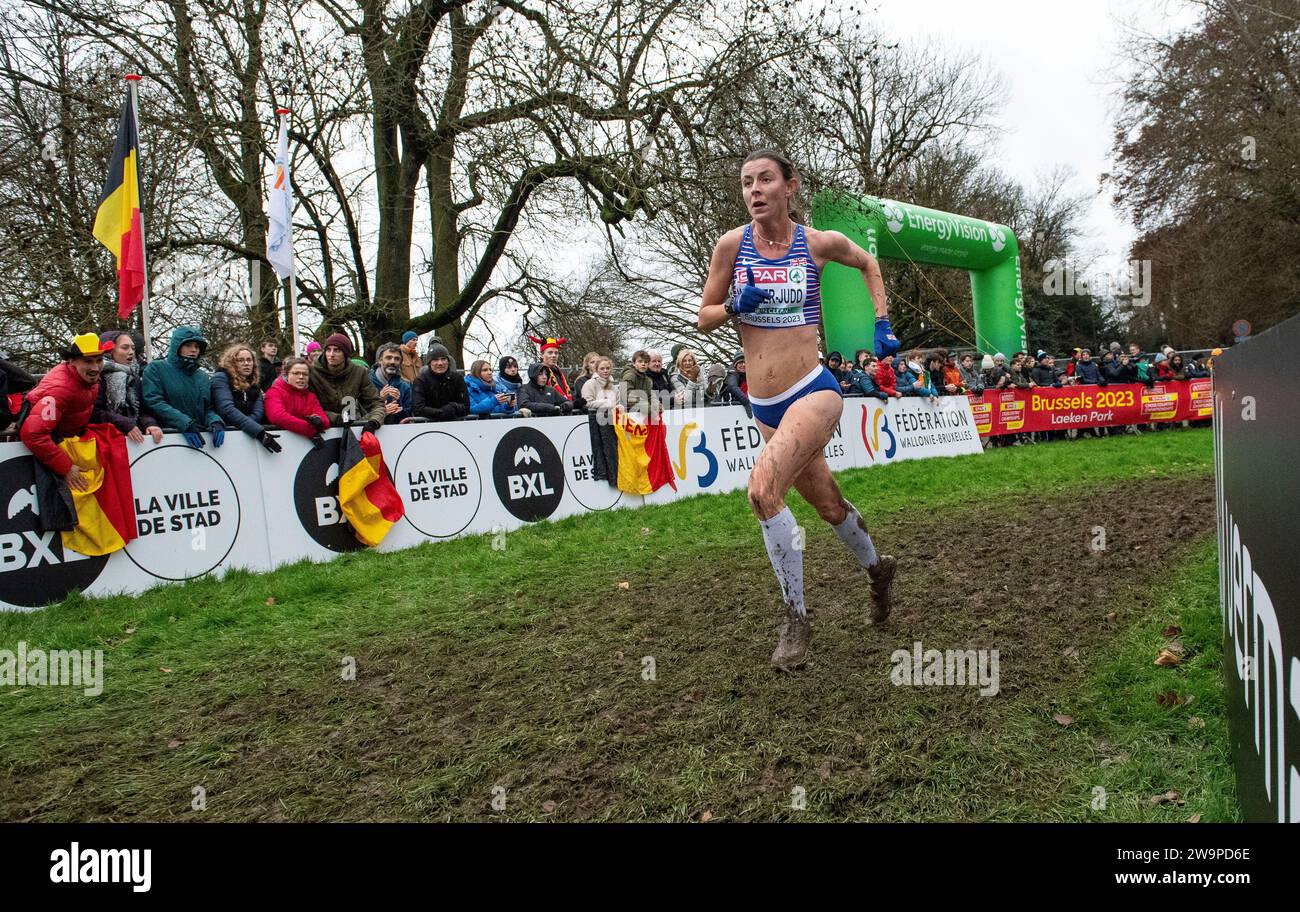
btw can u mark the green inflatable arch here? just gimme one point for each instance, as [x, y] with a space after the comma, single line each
[899, 231]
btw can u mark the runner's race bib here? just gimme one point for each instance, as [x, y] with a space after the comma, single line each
[789, 285]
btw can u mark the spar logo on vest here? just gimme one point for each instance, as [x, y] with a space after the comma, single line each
[439, 483]
[528, 473]
[34, 568]
[316, 498]
[187, 512]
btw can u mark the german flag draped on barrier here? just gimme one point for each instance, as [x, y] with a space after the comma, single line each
[106, 509]
[118, 224]
[1018, 411]
[367, 496]
[643, 463]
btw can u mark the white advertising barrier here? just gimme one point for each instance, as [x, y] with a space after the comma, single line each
[207, 511]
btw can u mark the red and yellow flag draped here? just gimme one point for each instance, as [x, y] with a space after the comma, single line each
[118, 225]
[106, 509]
[367, 496]
[643, 463]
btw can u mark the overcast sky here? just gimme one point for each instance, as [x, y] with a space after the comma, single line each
[1062, 65]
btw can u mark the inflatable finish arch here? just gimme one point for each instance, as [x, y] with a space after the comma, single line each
[899, 231]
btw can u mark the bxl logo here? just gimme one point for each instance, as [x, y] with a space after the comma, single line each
[710, 474]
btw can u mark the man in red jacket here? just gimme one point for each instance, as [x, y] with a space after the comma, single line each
[62, 403]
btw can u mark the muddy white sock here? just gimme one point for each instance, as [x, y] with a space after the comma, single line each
[853, 532]
[779, 534]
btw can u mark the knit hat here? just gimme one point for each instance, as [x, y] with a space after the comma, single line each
[737, 358]
[437, 350]
[408, 336]
[312, 346]
[986, 363]
[342, 342]
[504, 361]
[999, 357]
[548, 342]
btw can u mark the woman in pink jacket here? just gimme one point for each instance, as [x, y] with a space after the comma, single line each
[292, 406]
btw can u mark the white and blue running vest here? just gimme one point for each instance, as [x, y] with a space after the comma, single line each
[794, 279]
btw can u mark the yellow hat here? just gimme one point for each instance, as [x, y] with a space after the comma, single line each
[87, 345]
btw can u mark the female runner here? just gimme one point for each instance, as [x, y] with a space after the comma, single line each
[766, 276]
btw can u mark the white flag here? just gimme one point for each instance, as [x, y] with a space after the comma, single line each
[279, 239]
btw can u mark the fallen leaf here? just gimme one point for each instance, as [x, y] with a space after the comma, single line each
[1169, 797]
[1168, 657]
[165, 671]
[645, 531]
[619, 655]
[175, 743]
[706, 816]
[1170, 699]
[1064, 720]
[1171, 631]
[1195, 818]
[1117, 760]
[270, 601]
[624, 584]
[1071, 653]
[858, 739]
[128, 630]
[548, 806]
[1110, 616]
[1196, 722]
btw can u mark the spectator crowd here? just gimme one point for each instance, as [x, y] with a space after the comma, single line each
[107, 378]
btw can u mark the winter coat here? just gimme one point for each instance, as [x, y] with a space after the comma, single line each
[73, 401]
[541, 400]
[691, 393]
[1044, 375]
[886, 379]
[952, 374]
[267, 372]
[505, 385]
[908, 378]
[994, 376]
[245, 410]
[483, 398]
[1088, 374]
[637, 390]
[559, 382]
[971, 379]
[439, 397]
[176, 391]
[411, 365]
[735, 389]
[13, 380]
[861, 381]
[350, 381]
[121, 397]
[404, 395]
[600, 395]
[288, 407]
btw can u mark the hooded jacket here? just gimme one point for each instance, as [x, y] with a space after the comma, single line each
[735, 389]
[886, 379]
[483, 398]
[349, 381]
[439, 397]
[74, 400]
[1043, 375]
[288, 407]
[541, 400]
[244, 409]
[176, 391]
[1089, 374]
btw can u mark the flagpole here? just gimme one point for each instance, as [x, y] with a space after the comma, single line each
[293, 274]
[132, 79]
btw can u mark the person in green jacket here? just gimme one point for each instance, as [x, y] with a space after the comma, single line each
[338, 382]
[178, 394]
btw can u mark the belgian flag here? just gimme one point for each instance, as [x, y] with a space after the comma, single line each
[106, 509]
[367, 496]
[118, 225]
[643, 463]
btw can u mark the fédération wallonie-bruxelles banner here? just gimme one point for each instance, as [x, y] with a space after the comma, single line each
[207, 511]
[1045, 408]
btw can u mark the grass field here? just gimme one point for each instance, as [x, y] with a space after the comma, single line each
[520, 675]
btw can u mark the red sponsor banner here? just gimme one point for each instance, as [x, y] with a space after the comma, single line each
[1051, 409]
